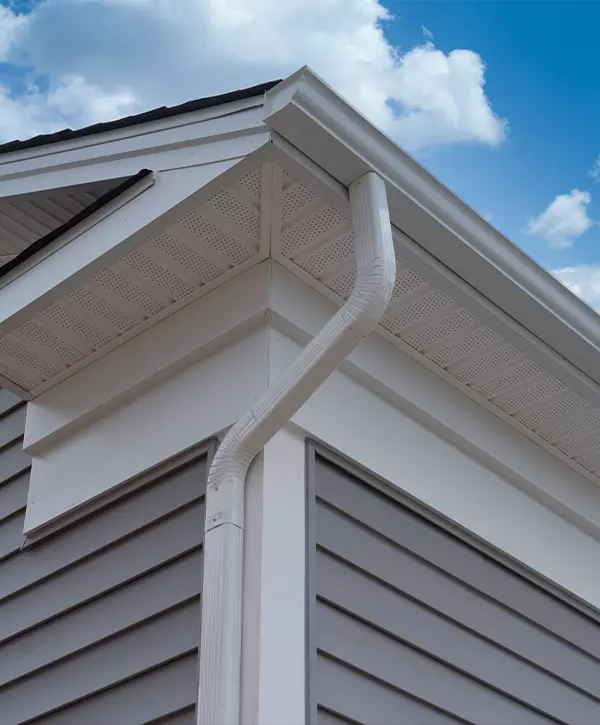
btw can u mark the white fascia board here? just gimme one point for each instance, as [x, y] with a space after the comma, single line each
[215, 319]
[432, 469]
[318, 122]
[433, 270]
[299, 312]
[174, 415]
[173, 194]
[382, 409]
[171, 143]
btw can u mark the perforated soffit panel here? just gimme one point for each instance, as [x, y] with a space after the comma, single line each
[226, 235]
[170, 269]
[318, 239]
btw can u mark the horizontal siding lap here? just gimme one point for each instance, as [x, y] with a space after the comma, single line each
[13, 495]
[100, 622]
[101, 530]
[367, 551]
[450, 554]
[371, 651]
[107, 570]
[151, 644]
[356, 698]
[408, 616]
[11, 535]
[8, 401]
[102, 618]
[12, 426]
[149, 699]
[13, 461]
[325, 717]
[423, 629]
[14, 477]
[185, 717]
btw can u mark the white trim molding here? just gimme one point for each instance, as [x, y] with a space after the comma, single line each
[444, 476]
[297, 312]
[317, 121]
[220, 317]
[162, 145]
[274, 637]
[175, 414]
[382, 409]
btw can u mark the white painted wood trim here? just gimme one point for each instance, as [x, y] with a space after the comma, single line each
[381, 410]
[217, 123]
[274, 644]
[155, 159]
[282, 698]
[299, 311]
[348, 417]
[215, 319]
[174, 415]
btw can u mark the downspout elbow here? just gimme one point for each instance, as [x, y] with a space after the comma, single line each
[219, 693]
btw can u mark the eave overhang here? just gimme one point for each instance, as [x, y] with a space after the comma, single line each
[113, 275]
[320, 124]
[468, 305]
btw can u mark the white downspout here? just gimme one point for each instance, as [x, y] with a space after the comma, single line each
[220, 652]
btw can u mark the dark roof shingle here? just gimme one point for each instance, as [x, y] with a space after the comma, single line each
[155, 114]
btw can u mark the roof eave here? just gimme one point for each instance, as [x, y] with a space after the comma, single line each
[85, 219]
[163, 113]
[317, 121]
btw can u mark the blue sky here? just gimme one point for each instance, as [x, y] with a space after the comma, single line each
[497, 99]
[542, 74]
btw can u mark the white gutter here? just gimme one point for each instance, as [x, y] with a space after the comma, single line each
[220, 650]
[322, 125]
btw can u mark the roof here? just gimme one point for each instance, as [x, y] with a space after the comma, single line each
[95, 206]
[156, 114]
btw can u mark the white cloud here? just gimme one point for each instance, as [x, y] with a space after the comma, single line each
[584, 281]
[563, 220]
[443, 99]
[165, 51]
[594, 172]
[9, 25]
[73, 98]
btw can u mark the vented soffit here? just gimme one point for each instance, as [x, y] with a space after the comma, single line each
[269, 211]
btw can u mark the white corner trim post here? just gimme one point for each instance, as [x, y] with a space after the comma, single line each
[220, 647]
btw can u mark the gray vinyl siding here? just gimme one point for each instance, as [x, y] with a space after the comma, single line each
[409, 622]
[100, 622]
